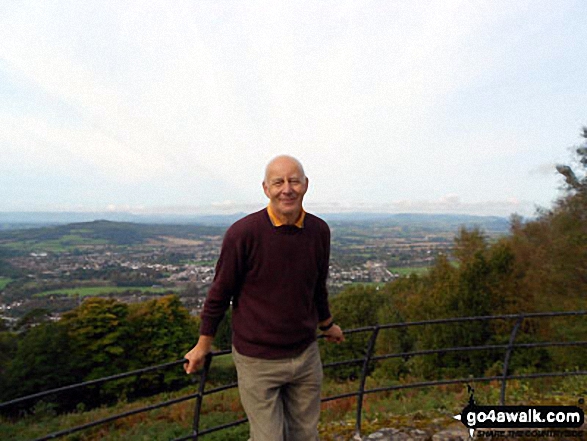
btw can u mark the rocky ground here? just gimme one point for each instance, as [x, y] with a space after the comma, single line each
[451, 434]
[458, 432]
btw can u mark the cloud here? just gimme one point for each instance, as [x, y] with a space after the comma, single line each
[450, 204]
[70, 148]
[186, 103]
[544, 170]
[447, 204]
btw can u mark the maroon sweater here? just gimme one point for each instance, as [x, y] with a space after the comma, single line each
[276, 279]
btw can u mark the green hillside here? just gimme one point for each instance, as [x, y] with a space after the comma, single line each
[98, 233]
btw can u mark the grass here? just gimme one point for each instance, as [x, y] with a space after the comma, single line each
[4, 281]
[102, 290]
[419, 409]
[370, 284]
[405, 271]
[423, 408]
[68, 242]
[165, 423]
[199, 262]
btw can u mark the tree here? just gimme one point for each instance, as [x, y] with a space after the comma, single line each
[42, 361]
[8, 348]
[162, 331]
[577, 185]
[32, 318]
[355, 307]
[468, 243]
[223, 338]
[550, 265]
[97, 330]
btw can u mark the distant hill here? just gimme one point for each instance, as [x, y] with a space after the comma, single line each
[20, 220]
[446, 222]
[69, 236]
[26, 220]
[100, 232]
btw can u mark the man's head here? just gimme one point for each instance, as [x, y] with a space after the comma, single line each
[285, 185]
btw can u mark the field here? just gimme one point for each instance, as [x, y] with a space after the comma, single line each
[59, 245]
[406, 271]
[4, 281]
[199, 262]
[88, 291]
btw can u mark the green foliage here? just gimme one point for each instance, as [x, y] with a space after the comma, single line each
[489, 280]
[542, 265]
[8, 348]
[395, 340]
[101, 337]
[222, 370]
[469, 243]
[32, 318]
[98, 334]
[4, 281]
[223, 338]
[7, 271]
[551, 251]
[162, 331]
[472, 299]
[42, 361]
[355, 307]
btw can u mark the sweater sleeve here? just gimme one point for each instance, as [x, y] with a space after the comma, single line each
[230, 270]
[321, 294]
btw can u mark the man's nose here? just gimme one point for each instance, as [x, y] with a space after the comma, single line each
[287, 187]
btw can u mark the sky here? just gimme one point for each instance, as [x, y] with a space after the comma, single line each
[391, 106]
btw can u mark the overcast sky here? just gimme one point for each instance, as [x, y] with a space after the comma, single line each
[398, 106]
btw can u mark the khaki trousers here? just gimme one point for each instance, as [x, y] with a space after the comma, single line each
[281, 397]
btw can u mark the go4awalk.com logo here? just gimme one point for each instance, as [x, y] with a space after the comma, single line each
[517, 417]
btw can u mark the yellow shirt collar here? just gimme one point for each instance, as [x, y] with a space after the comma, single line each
[277, 223]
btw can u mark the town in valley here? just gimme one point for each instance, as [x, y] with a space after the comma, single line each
[52, 268]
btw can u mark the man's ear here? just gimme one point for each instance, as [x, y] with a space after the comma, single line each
[265, 189]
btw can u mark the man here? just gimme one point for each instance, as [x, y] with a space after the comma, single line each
[273, 267]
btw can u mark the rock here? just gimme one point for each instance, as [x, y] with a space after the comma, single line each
[411, 434]
[452, 434]
[391, 434]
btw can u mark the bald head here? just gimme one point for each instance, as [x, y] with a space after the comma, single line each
[281, 161]
[285, 185]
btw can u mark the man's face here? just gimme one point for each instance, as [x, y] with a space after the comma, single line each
[285, 186]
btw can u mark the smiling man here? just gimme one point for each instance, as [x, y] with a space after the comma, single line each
[285, 185]
[273, 267]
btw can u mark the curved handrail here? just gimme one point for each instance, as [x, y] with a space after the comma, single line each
[365, 361]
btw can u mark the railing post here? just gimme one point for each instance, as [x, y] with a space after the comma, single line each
[508, 353]
[361, 393]
[200, 397]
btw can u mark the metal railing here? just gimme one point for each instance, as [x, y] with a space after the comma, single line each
[365, 361]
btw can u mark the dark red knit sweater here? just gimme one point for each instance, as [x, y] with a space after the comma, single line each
[276, 279]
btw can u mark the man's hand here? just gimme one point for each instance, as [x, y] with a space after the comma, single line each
[197, 355]
[334, 334]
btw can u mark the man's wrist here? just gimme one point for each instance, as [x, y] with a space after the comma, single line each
[205, 342]
[326, 327]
